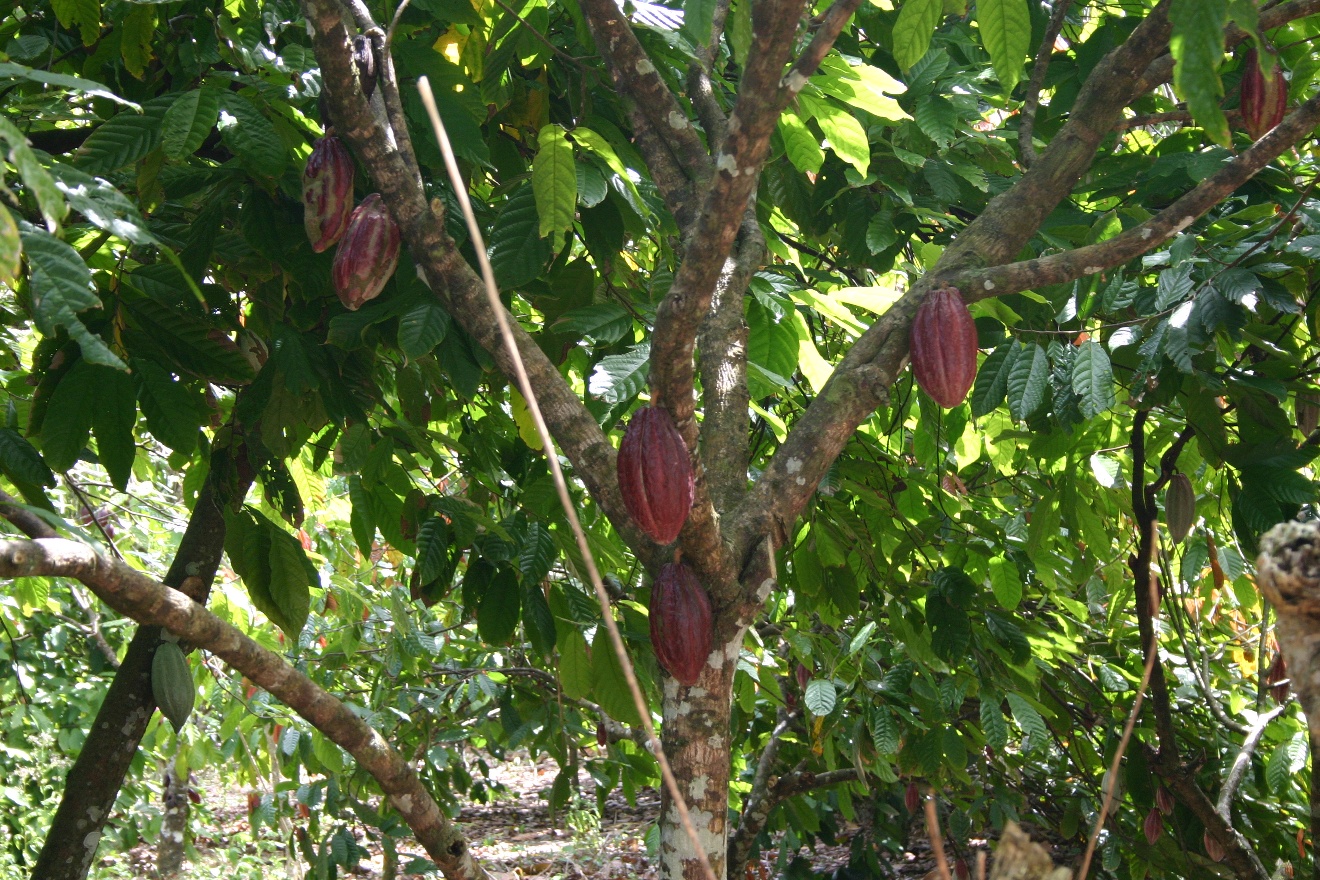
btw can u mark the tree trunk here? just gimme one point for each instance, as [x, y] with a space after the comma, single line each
[93, 782]
[170, 847]
[696, 742]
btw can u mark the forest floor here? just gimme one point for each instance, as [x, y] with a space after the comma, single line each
[513, 836]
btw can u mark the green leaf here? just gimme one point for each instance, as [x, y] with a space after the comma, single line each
[884, 730]
[607, 681]
[188, 121]
[554, 181]
[1197, 45]
[9, 70]
[11, 248]
[68, 420]
[517, 251]
[1005, 583]
[992, 379]
[104, 206]
[291, 576]
[252, 136]
[85, 15]
[1028, 380]
[137, 31]
[917, 20]
[930, 751]
[993, 724]
[538, 622]
[362, 520]
[845, 134]
[698, 18]
[171, 411]
[423, 327]
[248, 547]
[574, 665]
[1030, 721]
[114, 413]
[772, 343]
[820, 697]
[800, 145]
[620, 377]
[123, 139]
[1010, 635]
[21, 460]
[538, 553]
[497, 616]
[861, 86]
[432, 549]
[35, 177]
[1093, 379]
[1005, 27]
[951, 629]
[604, 323]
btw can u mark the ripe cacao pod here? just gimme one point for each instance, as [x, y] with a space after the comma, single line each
[172, 684]
[944, 347]
[1276, 677]
[1164, 800]
[1213, 848]
[680, 622]
[367, 254]
[1307, 407]
[1153, 827]
[912, 798]
[655, 474]
[1179, 507]
[1264, 98]
[327, 191]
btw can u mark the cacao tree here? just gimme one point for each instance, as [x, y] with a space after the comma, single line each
[232, 258]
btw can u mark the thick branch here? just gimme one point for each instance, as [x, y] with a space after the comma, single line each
[831, 25]
[130, 592]
[757, 805]
[1132, 243]
[1242, 762]
[453, 280]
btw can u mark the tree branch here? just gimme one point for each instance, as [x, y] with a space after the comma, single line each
[580, 438]
[1027, 149]
[831, 25]
[757, 805]
[1242, 762]
[130, 592]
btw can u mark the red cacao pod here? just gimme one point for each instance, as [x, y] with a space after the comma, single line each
[1264, 97]
[367, 254]
[1213, 848]
[680, 622]
[602, 735]
[655, 474]
[1307, 407]
[1164, 800]
[1277, 679]
[1153, 827]
[1179, 507]
[944, 347]
[912, 798]
[327, 191]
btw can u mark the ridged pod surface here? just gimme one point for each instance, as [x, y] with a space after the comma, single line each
[367, 254]
[1264, 99]
[655, 474]
[680, 622]
[1153, 827]
[327, 192]
[1179, 507]
[944, 347]
[172, 684]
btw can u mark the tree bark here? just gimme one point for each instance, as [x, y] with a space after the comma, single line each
[170, 847]
[696, 741]
[93, 783]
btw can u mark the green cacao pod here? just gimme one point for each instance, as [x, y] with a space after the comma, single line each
[944, 347]
[655, 474]
[681, 630]
[367, 254]
[172, 684]
[1179, 507]
[327, 191]
[1264, 94]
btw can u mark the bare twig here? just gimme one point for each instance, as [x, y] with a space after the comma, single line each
[565, 499]
[936, 840]
[1026, 149]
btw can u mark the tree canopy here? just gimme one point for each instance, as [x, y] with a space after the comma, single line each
[729, 211]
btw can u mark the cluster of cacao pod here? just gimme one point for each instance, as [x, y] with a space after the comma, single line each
[367, 237]
[944, 347]
[655, 474]
[1179, 507]
[172, 683]
[680, 622]
[1264, 94]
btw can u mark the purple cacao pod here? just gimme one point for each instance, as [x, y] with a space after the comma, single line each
[655, 474]
[367, 254]
[944, 347]
[1153, 827]
[912, 798]
[1213, 848]
[680, 622]
[327, 190]
[1164, 800]
[1264, 98]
